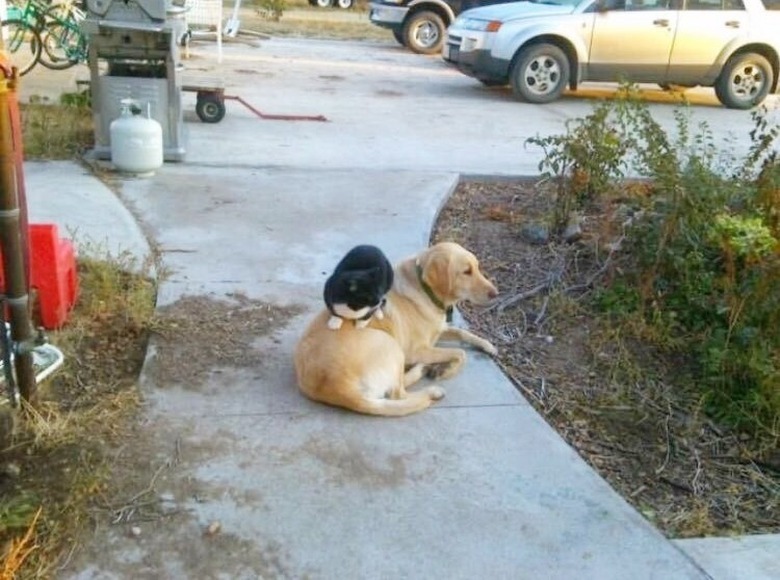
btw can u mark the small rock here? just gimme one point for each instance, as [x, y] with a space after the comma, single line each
[573, 231]
[12, 469]
[135, 531]
[214, 528]
[536, 234]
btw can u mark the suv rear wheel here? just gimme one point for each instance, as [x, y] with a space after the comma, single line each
[540, 73]
[745, 81]
[424, 32]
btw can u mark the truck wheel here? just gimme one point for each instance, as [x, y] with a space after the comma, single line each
[540, 73]
[210, 108]
[424, 32]
[744, 81]
[345, 4]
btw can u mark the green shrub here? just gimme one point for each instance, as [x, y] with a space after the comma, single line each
[705, 254]
[585, 162]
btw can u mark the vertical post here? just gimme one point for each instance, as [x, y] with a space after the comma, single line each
[12, 220]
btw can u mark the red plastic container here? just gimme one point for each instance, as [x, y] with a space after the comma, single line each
[53, 274]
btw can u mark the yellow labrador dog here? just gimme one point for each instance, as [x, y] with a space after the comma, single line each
[368, 370]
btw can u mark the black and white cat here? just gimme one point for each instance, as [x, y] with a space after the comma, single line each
[356, 290]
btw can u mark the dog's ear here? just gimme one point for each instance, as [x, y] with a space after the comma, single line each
[437, 272]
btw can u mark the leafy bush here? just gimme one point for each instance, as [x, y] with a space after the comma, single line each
[705, 252]
[585, 162]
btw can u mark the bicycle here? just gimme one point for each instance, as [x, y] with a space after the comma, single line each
[64, 43]
[22, 44]
[59, 42]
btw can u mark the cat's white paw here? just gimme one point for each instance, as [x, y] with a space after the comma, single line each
[361, 323]
[378, 314]
[334, 322]
[436, 393]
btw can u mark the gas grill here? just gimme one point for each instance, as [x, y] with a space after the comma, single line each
[133, 54]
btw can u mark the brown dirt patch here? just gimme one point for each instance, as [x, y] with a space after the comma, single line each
[197, 334]
[611, 397]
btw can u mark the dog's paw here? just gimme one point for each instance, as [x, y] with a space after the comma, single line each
[488, 348]
[436, 393]
[334, 322]
[361, 323]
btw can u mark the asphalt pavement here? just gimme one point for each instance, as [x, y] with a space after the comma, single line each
[478, 486]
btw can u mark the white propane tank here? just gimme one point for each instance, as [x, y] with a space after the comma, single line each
[136, 142]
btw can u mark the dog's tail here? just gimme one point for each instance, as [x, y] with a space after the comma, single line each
[413, 402]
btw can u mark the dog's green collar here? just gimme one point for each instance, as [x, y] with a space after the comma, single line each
[429, 292]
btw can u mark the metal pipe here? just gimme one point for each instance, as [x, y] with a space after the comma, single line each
[12, 219]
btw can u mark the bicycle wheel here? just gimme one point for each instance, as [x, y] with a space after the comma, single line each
[63, 46]
[22, 45]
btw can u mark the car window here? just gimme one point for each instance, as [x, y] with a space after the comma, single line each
[634, 5]
[715, 5]
[772, 4]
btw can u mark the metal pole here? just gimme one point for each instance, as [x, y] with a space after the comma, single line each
[12, 218]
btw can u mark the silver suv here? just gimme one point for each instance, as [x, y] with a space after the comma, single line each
[540, 47]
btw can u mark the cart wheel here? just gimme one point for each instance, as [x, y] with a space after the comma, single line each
[210, 108]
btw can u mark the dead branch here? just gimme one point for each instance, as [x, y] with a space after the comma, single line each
[695, 485]
[668, 442]
[588, 284]
[542, 312]
[681, 486]
[507, 302]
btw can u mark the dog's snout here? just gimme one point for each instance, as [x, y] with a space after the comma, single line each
[493, 293]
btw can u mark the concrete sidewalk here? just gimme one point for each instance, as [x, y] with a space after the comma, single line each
[479, 486]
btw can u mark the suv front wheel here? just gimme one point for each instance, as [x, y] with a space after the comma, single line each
[540, 73]
[424, 32]
[745, 81]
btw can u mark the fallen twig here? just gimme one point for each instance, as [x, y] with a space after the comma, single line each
[588, 284]
[695, 486]
[682, 486]
[668, 442]
[542, 312]
[506, 303]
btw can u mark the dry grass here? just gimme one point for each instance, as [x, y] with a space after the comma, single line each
[56, 131]
[301, 20]
[58, 464]
[19, 550]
